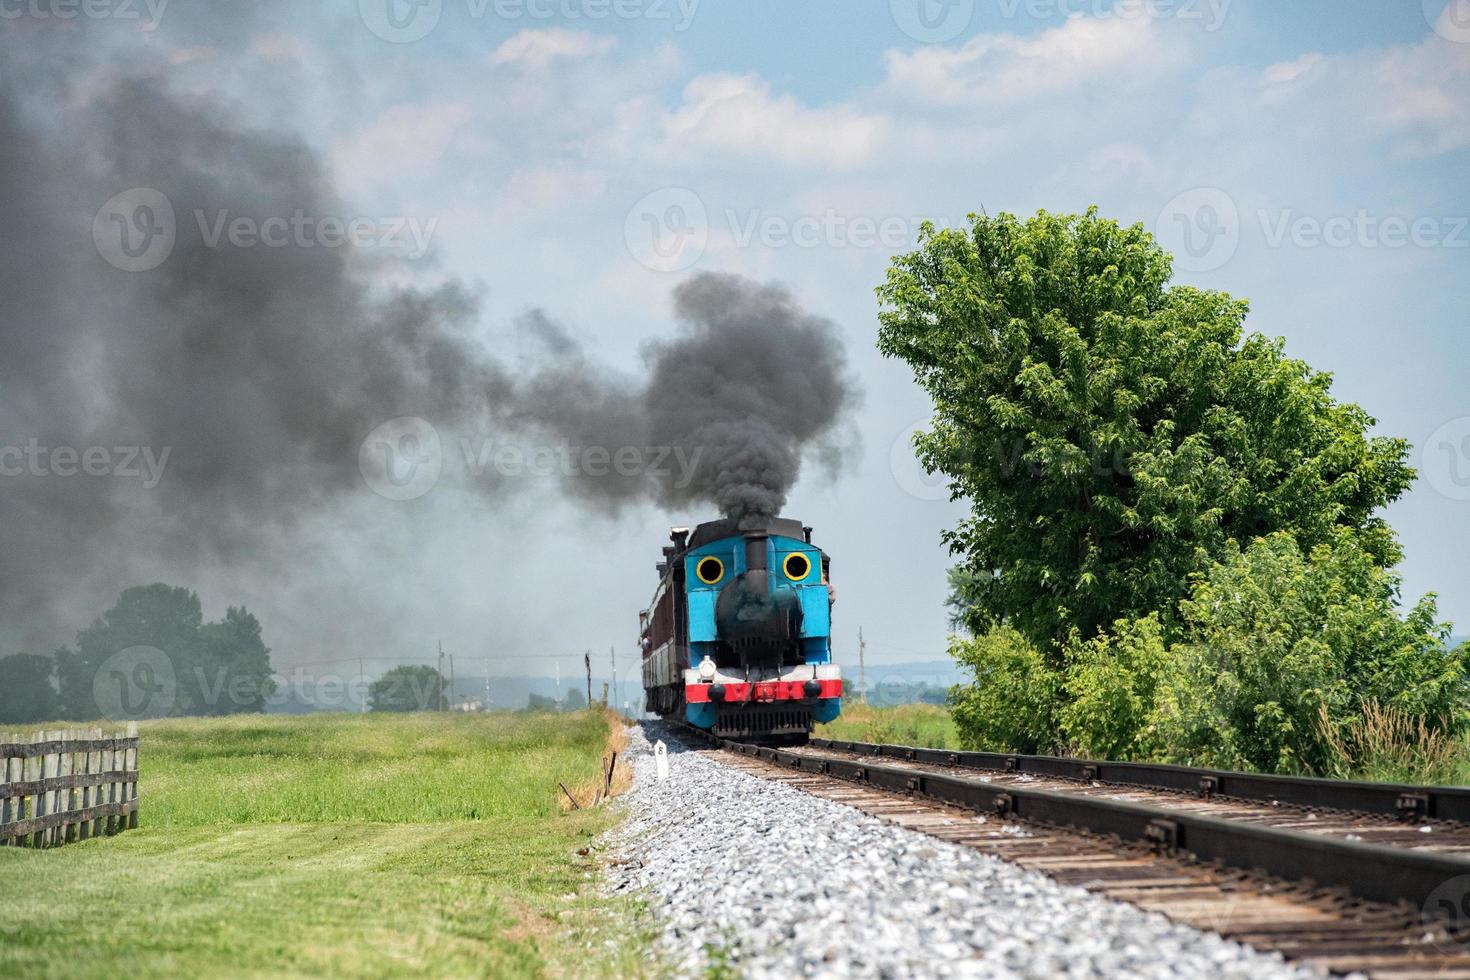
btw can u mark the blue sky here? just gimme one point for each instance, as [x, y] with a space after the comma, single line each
[1316, 154]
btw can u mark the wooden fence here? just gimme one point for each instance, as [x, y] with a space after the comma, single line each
[57, 787]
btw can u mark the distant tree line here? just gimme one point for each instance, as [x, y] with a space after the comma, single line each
[150, 655]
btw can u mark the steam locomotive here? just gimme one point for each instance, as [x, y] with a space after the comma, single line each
[738, 638]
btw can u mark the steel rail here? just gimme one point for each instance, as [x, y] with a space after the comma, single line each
[1393, 799]
[1367, 871]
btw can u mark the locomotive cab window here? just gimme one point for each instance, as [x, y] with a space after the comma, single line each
[710, 570]
[797, 566]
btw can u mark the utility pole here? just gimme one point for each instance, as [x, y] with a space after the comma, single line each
[451, 680]
[612, 653]
[587, 662]
[439, 684]
[862, 666]
[487, 685]
[361, 688]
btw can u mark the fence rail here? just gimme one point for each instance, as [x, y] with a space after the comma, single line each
[57, 787]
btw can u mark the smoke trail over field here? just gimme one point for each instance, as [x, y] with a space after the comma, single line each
[253, 374]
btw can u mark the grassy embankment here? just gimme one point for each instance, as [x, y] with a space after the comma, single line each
[923, 725]
[377, 845]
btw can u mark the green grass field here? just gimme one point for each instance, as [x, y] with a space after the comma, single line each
[364, 846]
[921, 725]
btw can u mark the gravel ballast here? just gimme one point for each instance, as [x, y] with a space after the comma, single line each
[777, 883]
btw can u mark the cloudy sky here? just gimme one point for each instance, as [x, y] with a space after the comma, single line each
[582, 158]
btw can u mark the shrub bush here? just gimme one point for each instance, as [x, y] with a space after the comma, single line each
[1011, 707]
[1283, 651]
[1110, 691]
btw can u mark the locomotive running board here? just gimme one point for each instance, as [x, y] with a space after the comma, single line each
[1368, 871]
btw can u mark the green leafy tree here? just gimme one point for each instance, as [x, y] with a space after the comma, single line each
[159, 657]
[27, 690]
[1284, 653]
[161, 617]
[575, 700]
[237, 675]
[407, 688]
[1012, 705]
[1111, 431]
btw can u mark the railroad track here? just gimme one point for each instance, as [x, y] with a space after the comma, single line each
[1349, 877]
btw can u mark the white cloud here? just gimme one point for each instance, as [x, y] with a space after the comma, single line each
[537, 48]
[738, 113]
[407, 139]
[1011, 68]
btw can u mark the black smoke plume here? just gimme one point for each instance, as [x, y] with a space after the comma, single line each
[750, 387]
[261, 370]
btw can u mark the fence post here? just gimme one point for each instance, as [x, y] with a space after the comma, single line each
[39, 809]
[6, 807]
[132, 787]
[84, 826]
[98, 823]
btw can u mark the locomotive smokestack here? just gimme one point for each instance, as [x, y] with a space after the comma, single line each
[755, 551]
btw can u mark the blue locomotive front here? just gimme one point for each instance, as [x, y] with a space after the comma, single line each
[738, 638]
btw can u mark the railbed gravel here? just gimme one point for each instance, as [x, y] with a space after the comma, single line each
[769, 881]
